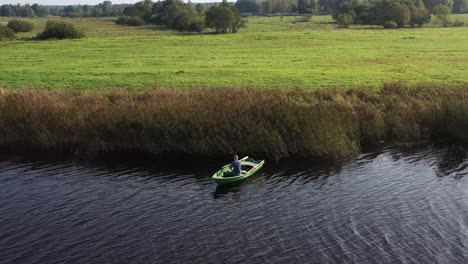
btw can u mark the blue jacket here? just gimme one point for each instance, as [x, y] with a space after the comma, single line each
[236, 167]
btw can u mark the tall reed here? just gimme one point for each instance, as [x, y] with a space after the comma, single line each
[326, 123]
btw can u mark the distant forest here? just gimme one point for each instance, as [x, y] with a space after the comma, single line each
[104, 9]
[253, 7]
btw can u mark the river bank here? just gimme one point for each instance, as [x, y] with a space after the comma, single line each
[201, 122]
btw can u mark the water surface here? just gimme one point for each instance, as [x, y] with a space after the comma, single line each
[389, 206]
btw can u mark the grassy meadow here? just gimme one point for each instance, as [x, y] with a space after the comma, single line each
[268, 53]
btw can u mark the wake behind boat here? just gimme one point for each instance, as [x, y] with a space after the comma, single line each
[249, 167]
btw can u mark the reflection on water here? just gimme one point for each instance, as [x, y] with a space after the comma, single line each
[387, 206]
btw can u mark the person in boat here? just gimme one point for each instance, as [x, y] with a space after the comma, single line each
[235, 168]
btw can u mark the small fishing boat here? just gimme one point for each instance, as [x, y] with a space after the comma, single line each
[248, 166]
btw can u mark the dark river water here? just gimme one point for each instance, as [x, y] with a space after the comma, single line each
[389, 206]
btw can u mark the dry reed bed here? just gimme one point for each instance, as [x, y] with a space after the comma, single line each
[327, 123]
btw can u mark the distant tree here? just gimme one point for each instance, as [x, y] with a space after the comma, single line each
[247, 6]
[26, 11]
[381, 10]
[431, 4]
[345, 14]
[200, 9]
[363, 13]
[164, 12]
[177, 15]
[86, 11]
[344, 20]
[106, 8]
[143, 9]
[458, 6]
[224, 18]
[70, 10]
[117, 10]
[400, 13]
[7, 11]
[266, 7]
[185, 18]
[97, 11]
[306, 6]
[328, 6]
[40, 10]
[442, 12]
[282, 6]
[55, 11]
[419, 14]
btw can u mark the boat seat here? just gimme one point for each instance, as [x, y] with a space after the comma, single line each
[248, 163]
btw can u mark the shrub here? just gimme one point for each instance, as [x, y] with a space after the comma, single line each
[390, 25]
[224, 18]
[20, 25]
[419, 16]
[344, 20]
[400, 14]
[305, 18]
[59, 30]
[122, 20]
[441, 12]
[135, 22]
[457, 23]
[6, 32]
[197, 25]
[185, 18]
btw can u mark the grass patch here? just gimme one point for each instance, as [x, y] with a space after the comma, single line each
[268, 53]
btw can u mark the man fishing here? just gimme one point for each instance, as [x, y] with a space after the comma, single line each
[235, 166]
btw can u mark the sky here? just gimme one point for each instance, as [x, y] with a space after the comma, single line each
[75, 2]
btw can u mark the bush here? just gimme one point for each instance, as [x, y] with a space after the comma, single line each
[122, 20]
[400, 13]
[6, 32]
[224, 18]
[305, 18]
[20, 25]
[344, 20]
[198, 24]
[135, 22]
[457, 23]
[59, 30]
[390, 25]
[441, 12]
[419, 16]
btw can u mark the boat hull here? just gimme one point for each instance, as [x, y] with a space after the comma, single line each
[219, 178]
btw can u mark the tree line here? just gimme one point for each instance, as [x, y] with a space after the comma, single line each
[266, 7]
[175, 14]
[104, 9]
[258, 7]
[393, 13]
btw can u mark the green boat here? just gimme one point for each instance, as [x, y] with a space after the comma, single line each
[248, 166]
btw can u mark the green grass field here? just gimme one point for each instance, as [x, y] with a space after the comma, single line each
[268, 53]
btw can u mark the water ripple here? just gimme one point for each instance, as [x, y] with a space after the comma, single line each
[383, 207]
